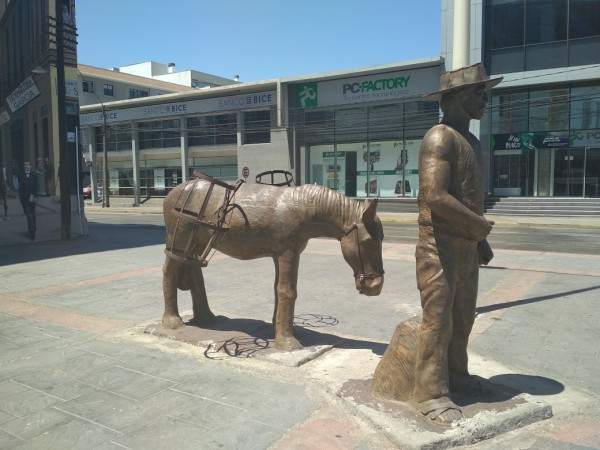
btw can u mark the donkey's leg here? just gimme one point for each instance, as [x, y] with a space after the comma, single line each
[286, 281]
[202, 313]
[171, 318]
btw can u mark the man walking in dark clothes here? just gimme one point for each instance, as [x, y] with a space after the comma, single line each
[28, 194]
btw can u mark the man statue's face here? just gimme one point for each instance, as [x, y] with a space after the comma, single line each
[474, 100]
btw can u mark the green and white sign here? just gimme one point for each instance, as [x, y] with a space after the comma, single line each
[307, 95]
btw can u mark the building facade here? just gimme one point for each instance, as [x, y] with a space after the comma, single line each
[542, 130]
[355, 131]
[33, 109]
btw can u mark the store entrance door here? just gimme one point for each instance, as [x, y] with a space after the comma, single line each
[513, 173]
[577, 172]
[592, 172]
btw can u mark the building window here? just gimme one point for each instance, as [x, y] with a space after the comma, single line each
[72, 108]
[118, 137]
[159, 134]
[88, 86]
[510, 112]
[257, 127]
[212, 130]
[549, 110]
[108, 90]
[585, 108]
[137, 93]
[540, 34]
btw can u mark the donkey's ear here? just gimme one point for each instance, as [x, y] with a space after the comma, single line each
[370, 211]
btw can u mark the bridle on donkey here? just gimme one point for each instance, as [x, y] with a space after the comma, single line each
[188, 254]
[361, 276]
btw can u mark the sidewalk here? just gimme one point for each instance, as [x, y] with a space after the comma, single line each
[79, 369]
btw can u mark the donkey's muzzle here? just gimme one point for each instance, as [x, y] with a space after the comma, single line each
[369, 285]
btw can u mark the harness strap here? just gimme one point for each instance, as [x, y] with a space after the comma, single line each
[361, 276]
[183, 213]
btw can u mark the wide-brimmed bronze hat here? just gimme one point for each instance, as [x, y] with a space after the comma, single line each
[454, 80]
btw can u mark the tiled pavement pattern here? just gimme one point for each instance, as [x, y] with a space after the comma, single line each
[76, 370]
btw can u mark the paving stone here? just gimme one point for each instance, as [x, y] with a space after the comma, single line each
[37, 423]
[95, 404]
[165, 433]
[127, 383]
[27, 402]
[137, 415]
[7, 440]
[74, 435]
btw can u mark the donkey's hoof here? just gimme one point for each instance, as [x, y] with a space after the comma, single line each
[204, 317]
[172, 322]
[288, 344]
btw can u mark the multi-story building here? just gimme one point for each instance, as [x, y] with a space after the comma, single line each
[32, 108]
[357, 131]
[542, 131]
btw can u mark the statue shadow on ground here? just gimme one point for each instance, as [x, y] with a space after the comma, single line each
[507, 386]
[541, 298]
[243, 337]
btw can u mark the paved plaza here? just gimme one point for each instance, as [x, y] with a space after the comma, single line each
[80, 367]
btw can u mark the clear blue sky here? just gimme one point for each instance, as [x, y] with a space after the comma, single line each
[257, 39]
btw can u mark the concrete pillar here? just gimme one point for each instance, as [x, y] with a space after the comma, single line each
[135, 159]
[185, 149]
[460, 38]
[90, 135]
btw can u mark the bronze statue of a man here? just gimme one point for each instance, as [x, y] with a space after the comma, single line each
[452, 242]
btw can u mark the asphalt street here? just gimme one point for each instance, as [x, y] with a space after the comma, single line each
[560, 238]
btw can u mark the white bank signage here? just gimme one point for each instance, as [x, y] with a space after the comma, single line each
[183, 108]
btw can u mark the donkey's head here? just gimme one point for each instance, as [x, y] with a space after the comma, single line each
[361, 247]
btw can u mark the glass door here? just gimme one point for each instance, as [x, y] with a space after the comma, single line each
[513, 172]
[592, 172]
[569, 172]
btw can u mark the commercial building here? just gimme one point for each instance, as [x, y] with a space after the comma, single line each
[357, 131]
[542, 130]
[33, 109]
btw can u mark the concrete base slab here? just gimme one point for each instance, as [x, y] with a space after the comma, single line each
[246, 338]
[502, 411]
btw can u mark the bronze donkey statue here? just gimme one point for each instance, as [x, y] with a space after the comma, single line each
[255, 221]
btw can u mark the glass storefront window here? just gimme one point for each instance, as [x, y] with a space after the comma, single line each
[368, 150]
[367, 169]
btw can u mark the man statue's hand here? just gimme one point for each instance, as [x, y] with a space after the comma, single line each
[481, 229]
[485, 252]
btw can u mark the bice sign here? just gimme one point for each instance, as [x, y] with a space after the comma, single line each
[245, 172]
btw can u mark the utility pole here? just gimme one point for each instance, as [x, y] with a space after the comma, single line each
[64, 160]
